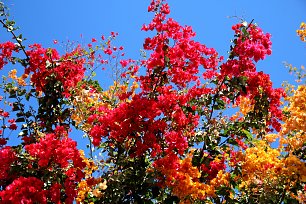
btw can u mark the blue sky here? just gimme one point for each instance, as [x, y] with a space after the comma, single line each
[44, 21]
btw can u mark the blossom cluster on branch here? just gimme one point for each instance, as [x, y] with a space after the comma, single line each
[166, 131]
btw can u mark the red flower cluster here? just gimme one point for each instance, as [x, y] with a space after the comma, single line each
[252, 45]
[54, 153]
[155, 115]
[7, 156]
[57, 152]
[7, 49]
[259, 84]
[175, 54]
[46, 63]
[127, 119]
[55, 193]
[52, 150]
[211, 170]
[24, 190]
[12, 125]
[151, 122]
[251, 42]
[181, 103]
[170, 164]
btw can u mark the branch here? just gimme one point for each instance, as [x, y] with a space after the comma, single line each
[15, 37]
[211, 113]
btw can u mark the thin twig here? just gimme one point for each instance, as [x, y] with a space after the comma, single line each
[15, 37]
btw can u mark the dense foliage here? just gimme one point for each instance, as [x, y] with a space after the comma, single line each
[180, 125]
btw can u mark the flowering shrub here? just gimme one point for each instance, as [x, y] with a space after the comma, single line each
[161, 133]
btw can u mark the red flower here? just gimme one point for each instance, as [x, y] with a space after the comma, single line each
[5, 114]
[54, 150]
[108, 51]
[24, 190]
[68, 72]
[7, 156]
[13, 126]
[2, 140]
[6, 49]
[55, 193]
[213, 168]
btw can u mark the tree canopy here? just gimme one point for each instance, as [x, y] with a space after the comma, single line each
[182, 124]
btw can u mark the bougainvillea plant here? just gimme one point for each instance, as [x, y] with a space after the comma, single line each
[182, 125]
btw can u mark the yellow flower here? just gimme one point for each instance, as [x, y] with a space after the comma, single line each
[295, 124]
[103, 185]
[302, 32]
[245, 106]
[12, 74]
[185, 183]
[271, 137]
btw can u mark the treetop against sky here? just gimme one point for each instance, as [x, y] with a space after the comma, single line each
[193, 117]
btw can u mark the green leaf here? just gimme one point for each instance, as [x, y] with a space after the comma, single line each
[13, 95]
[15, 106]
[20, 120]
[19, 114]
[155, 191]
[231, 141]
[171, 200]
[245, 32]
[21, 92]
[28, 95]
[248, 135]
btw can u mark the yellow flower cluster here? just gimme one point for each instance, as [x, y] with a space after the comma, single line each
[83, 189]
[83, 101]
[301, 196]
[302, 31]
[271, 137]
[222, 179]
[263, 167]
[245, 106]
[295, 123]
[186, 185]
[294, 168]
[90, 165]
[118, 89]
[20, 80]
[259, 163]
[299, 74]
[90, 187]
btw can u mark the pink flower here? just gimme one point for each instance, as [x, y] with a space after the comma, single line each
[7, 156]
[24, 190]
[13, 126]
[6, 49]
[108, 51]
[5, 114]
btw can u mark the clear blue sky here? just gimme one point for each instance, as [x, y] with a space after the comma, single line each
[44, 21]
